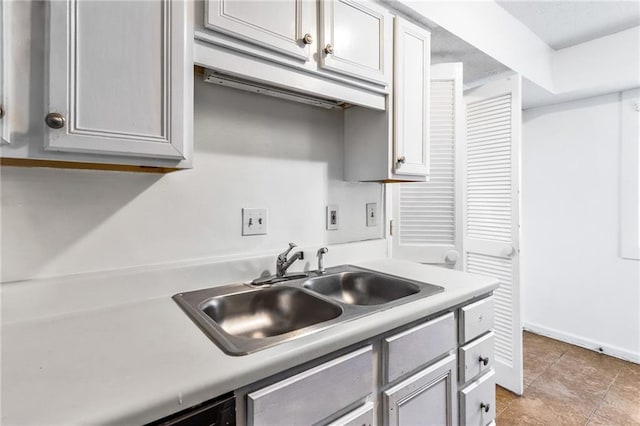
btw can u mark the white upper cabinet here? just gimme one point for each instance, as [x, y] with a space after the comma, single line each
[119, 78]
[337, 50]
[285, 26]
[412, 60]
[354, 38]
[393, 145]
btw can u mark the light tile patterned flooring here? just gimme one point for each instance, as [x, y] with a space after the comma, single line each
[568, 385]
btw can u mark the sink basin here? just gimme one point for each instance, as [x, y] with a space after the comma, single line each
[242, 318]
[362, 287]
[268, 312]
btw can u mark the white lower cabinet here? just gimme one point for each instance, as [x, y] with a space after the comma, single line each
[422, 373]
[426, 398]
[476, 376]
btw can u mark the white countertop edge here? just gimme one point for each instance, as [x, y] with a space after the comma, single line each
[183, 367]
[268, 362]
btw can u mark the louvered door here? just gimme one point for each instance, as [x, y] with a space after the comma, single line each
[491, 217]
[428, 216]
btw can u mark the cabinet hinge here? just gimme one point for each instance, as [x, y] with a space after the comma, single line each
[391, 228]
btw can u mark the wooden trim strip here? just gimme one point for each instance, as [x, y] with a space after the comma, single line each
[27, 162]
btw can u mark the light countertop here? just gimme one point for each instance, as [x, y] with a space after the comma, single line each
[136, 362]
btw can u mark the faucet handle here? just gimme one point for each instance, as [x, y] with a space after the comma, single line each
[284, 254]
[322, 250]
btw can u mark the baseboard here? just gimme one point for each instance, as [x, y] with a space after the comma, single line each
[583, 342]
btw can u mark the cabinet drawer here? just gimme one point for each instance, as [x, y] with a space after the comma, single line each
[476, 319]
[478, 401]
[476, 357]
[418, 346]
[362, 416]
[314, 394]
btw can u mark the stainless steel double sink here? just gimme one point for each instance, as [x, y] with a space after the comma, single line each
[242, 318]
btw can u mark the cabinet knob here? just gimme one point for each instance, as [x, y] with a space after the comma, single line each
[485, 407]
[1, 111]
[54, 120]
[328, 49]
[307, 39]
[484, 360]
[402, 159]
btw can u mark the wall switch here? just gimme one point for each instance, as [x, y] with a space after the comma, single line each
[254, 221]
[372, 214]
[333, 217]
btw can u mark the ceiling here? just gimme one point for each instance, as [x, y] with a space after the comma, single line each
[563, 24]
[446, 47]
[560, 24]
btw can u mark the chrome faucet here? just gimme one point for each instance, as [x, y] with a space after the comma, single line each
[321, 253]
[282, 263]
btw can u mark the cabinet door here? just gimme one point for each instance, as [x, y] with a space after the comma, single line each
[355, 39]
[4, 63]
[427, 398]
[120, 78]
[284, 26]
[412, 62]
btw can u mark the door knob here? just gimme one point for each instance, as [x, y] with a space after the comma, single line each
[1, 111]
[307, 39]
[451, 256]
[484, 360]
[328, 49]
[508, 251]
[485, 407]
[54, 120]
[402, 159]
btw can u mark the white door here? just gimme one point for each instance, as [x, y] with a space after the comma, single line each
[492, 221]
[283, 26]
[428, 216]
[412, 60]
[119, 77]
[356, 39]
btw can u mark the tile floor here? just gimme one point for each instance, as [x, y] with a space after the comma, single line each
[568, 385]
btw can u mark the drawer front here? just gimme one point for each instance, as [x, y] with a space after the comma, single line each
[476, 319]
[362, 416]
[314, 394]
[476, 357]
[418, 346]
[478, 401]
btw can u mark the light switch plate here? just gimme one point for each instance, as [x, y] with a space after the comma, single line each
[372, 214]
[254, 221]
[333, 217]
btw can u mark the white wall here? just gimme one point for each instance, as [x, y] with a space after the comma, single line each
[575, 284]
[250, 151]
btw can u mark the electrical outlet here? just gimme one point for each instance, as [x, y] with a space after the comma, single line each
[333, 219]
[254, 221]
[372, 214]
